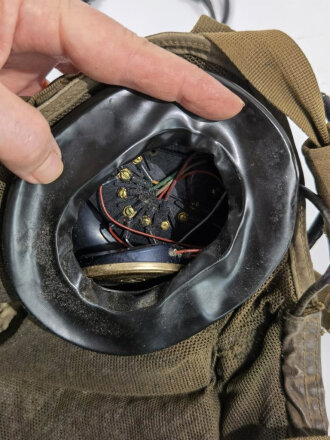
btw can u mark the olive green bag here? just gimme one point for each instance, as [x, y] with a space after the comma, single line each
[254, 374]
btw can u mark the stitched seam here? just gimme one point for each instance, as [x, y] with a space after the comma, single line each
[59, 94]
[184, 44]
[294, 263]
[317, 383]
[305, 372]
[304, 243]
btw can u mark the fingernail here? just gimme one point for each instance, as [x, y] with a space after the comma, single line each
[56, 148]
[239, 104]
[50, 170]
[242, 103]
[235, 108]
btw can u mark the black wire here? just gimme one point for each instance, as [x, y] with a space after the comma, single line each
[316, 230]
[204, 219]
[324, 280]
[209, 5]
[226, 10]
[311, 292]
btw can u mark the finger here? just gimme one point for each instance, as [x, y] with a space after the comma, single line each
[115, 55]
[108, 52]
[66, 67]
[24, 73]
[33, 88]
[9, 11]
[27, 147]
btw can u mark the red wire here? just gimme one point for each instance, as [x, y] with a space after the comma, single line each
[199, 172]
[162, 194]
[184, 166]
[116, 237]
[167, 240]
[187, 251]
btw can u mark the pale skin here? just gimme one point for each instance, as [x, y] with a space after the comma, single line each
[36, 35]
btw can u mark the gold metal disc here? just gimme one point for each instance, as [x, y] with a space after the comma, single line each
[131, 272]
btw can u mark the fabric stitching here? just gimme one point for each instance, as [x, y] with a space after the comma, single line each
[305, 370]
[317, 383]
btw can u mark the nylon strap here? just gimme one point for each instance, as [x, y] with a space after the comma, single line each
[273, 63]
[318, 437]
[318, 160]
[63, 95]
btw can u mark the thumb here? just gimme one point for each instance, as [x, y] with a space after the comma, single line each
[27, 147]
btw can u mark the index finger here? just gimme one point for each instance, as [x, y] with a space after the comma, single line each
[108, 52]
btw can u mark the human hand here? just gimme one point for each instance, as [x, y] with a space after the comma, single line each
[37, 35]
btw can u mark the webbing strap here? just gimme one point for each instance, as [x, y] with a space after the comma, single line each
[63, 95]
[318, 160]
[273, 63]
[318, 437]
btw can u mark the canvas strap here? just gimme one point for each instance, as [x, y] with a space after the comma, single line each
[273, 63]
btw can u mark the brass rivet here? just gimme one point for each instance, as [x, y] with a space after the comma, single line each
[129, 211]
[182, 216]
[138, 160]
[125, 174]
[145, 220]
[194, 206]
[122, 193]
[165, 225]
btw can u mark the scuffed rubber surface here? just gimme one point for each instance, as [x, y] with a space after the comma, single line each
[256, 163]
